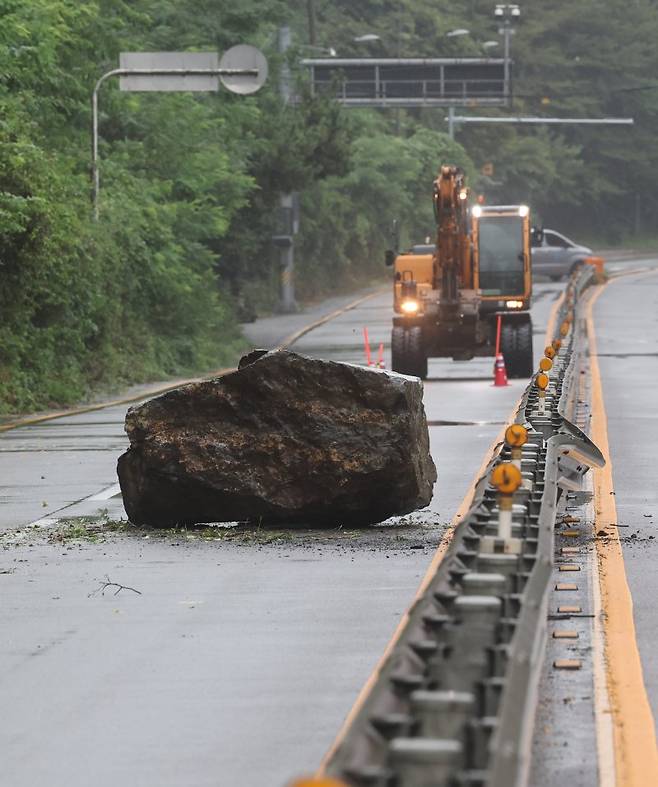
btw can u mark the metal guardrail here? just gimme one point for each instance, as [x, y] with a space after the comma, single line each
[454, 702]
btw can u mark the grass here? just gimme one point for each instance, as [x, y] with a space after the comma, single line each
[101, 528]
[93, 529]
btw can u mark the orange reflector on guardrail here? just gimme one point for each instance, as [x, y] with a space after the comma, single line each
[541, 381]
[506, 477]
[516, 435]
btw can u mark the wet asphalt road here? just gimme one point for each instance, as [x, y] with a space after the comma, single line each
[238, 659]
[626, 319]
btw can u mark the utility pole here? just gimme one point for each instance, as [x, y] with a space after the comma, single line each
[310, 7]
[288, 201]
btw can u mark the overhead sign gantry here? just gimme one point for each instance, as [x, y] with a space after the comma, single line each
[410, 82]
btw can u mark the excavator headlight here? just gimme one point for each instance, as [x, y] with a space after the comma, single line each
[523, 210]
[410, 306]
[514, 304]
[476, 211]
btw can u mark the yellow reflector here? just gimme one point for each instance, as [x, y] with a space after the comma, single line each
[557, 343]
[321, 781]
[564, 328]
[545, 364]
[516, 435]
[549, 352]
[506, 477]
[541, 381]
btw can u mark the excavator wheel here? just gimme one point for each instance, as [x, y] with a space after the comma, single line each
[416, 353]
[408, 352]
[516, 346]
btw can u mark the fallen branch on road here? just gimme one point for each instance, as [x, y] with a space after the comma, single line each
[109, 584]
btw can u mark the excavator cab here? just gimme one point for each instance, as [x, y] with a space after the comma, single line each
[503, 276]
[501, 250]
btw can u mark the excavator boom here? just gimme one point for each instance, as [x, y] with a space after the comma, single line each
[452, 257]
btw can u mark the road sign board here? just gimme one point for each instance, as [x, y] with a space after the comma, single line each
[169, 61]
[410, 82]
[243, 58]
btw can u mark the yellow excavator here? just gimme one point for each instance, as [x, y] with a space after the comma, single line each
[448, 297]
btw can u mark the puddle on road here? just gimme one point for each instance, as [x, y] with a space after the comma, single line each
[479, 379]
[466, 423]
[63, 449]
[627, 355]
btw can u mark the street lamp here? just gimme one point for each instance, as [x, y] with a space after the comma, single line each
[506, 13]
[367, 37]
[325, 50]
[503, 10]
[490, 44]
[460, 31]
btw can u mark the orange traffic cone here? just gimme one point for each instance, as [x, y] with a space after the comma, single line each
[380, 356]
[500, 373]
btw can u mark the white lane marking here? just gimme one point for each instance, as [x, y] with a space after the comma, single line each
[46, 521]
[52, 521]
[605, 735]
[105, 494]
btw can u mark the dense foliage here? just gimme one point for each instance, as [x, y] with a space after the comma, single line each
[593, 58]
[190, 183]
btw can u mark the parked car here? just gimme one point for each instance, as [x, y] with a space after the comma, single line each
[554, 255]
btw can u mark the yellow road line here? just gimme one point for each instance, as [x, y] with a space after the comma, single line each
[636, 755]
[293, 337]
[438, 556]
[160, 389]
[90, 408]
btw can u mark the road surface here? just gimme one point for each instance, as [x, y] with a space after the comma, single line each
[238, 658]
[626, 318]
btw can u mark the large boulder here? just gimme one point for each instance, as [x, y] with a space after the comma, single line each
[284, 439]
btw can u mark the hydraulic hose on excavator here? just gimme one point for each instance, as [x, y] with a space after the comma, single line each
[452, 257]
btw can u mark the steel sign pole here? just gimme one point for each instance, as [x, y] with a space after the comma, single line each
[506, 38]
[506, 12]
[451, 122]
[146, 72]
[612, 121]
[95, 180]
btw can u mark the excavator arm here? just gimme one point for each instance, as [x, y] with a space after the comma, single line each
[452, 257]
